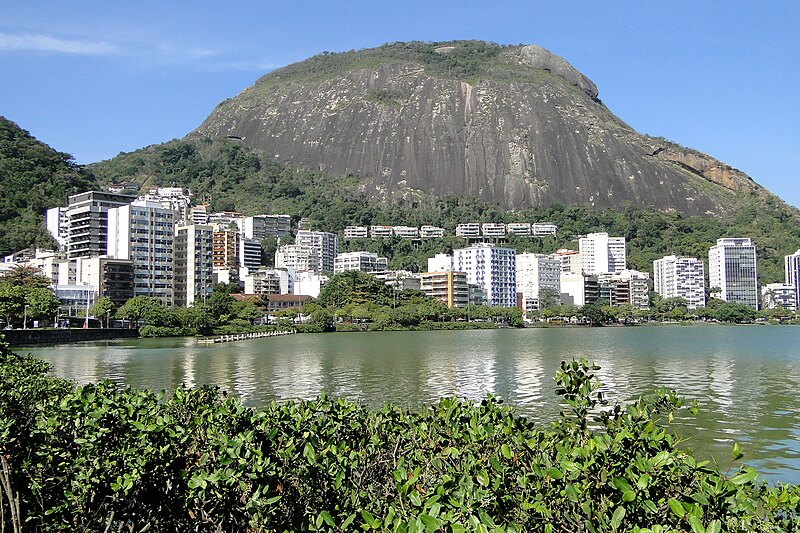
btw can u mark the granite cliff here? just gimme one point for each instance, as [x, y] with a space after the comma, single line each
[512, 125]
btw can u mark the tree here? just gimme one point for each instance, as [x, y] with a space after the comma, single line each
[103, 307]
[41, 303]
[548, 297]
[354, 287]
[151, 310]
[219, 306]
[25, 276]
[246, 310]
[597, 312]
[12, 301]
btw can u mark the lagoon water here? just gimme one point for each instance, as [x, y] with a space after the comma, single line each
[745, 378]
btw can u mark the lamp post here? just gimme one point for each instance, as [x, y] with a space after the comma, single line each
[86, 316]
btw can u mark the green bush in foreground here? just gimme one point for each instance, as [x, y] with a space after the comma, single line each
[100, 458]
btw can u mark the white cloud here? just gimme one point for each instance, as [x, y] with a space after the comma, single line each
[202, 58]
[46, 43]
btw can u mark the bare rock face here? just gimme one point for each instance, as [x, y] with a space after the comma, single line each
[517, 126]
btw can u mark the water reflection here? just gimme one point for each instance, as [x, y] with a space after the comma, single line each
[745, 378]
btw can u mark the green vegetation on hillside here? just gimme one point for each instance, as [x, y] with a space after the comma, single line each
[100, 458]
[33, 178]
[460, 60]
[236, 177]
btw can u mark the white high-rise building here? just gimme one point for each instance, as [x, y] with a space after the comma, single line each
[680, 277]
[440, 263]
[362, 261]
[732, 270]
[144, 233]
[792, 269]
[194, 245]
[779, 295]
[324, 244]
[535, 273]
[602, 254]
[58, 225]
[297, 257]
[491, 267]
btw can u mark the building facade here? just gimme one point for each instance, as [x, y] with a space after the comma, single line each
[323, 243]
[111, 278]
[601, 253]
[194, 249]
[792, 270]
[538, 275]
[143, 232]
[297, 257]
[680, 277]
[779, 296]
[87, 227]
[262, 227]
[450, 288]
[362, 261]
[491, 267]
[732, 271]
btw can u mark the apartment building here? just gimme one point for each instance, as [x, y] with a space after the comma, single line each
[440, 263]
[405, 232]
[362, 261]
[629, 287]
[570, 261]
[87, 227]
[732, 270]
[450, 288]
[297, 257]
[262, 227]
[579, 289]
[57, 222]
[468, 230]
[356, 232]
[792, 270]
[380, 232]
[225, 254]
[143, 232]
[520, 229]
[269, 281]
[543, 229]
[680, 277]
[601, 253]
[536, 273]
[431, 232]
[194, 263]
[491, 267]
[779, 296]
[493, 230]
[110, 277]
[324, 244]
[249, 253]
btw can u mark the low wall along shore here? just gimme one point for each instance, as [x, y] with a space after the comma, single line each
[17, 337]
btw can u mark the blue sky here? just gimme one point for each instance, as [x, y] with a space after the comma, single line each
[97, 78]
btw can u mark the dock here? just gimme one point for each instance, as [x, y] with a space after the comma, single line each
[246, 336]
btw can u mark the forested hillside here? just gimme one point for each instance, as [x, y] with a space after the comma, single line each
[233, 176]
[33, 178]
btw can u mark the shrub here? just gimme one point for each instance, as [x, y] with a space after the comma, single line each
[98, 457]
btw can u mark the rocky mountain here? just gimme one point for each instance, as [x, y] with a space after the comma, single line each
[515, 126]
